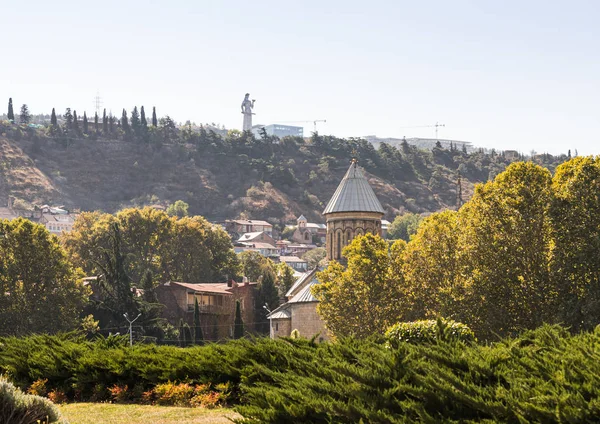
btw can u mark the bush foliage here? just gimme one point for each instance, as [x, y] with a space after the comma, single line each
[17, 407]
[428, 331]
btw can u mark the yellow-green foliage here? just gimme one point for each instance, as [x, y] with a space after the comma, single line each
[428, 331]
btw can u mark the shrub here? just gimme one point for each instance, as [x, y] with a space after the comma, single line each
[173, 394]
[17, 407]
[38, 387]
[120, 393]
[57, 396]
[428, 331]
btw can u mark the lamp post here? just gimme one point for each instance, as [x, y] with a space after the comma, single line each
[131, 326]
[266, 307]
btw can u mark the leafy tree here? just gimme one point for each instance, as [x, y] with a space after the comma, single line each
[254, 265]
[238, 326]
[96, 125]
[285, 278]
[575, 258]
[53, 120]
[314, 257]
[366, 297]
[25, 116]
[404, 226]
[154, 120]
[198, 335]
[178, 209]
[11, 113]
[40, 290]
[85, 123]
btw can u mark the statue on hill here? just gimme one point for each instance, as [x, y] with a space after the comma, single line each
[247, 106]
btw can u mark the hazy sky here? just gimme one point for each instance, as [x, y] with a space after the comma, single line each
[507, 74]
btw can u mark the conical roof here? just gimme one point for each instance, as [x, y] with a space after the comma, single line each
[354, 194]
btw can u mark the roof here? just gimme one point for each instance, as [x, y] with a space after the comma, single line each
[291, 259]
[305, 295]
[258, 245]
[307, 276]
[221, 288]
[250, 222]
[354, 194]
[301, 218]
[281, 314]
[315, 225]
[250, 236]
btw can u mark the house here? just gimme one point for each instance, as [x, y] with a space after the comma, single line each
[295, 249]
[385, 225]
[238, 227]
[295, 262]
[57, 220]
[216, 302]
[299, 312]
[265, 249]
[307, 232]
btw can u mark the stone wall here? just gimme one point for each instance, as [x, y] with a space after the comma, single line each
[342, 227]
[307, 321]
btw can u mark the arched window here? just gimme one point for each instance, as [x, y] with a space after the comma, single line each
[348, 237]
[306, 235]
[338, 254]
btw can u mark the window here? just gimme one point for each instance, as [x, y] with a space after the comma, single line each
[276, 326]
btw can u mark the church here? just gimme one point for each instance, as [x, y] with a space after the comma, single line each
[353, 210]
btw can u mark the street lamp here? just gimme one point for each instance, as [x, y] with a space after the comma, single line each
[130, 326]
[266, 307]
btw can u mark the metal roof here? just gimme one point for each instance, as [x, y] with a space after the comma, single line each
[282, 314]
[300, 281]
[354, 194]
[304, 295]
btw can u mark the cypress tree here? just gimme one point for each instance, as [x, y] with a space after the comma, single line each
[238, 326]
[154, 120]
[96, 126]
[181, 333]
[53, 120]
[25, 116]
[198, 335]
[85, 123]
[68, 118]
[104, 122]
[11, 113]
[135, 120]
[111, 122]
[75, 121]
[124, 121]
[143, 118]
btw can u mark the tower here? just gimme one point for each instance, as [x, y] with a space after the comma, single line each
[352, 210]
[301, 221]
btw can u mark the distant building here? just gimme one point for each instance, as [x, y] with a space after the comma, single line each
[216, 302]
[307, 231]
[422, 143]
[279, 130]
[295, 262]
[57, 220]
[238, 227]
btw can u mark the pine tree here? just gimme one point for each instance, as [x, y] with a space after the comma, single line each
[143, 118]
[25, 116]
[154, 120]
[11, 113]
[96, 126]
[104, 122]
[68, 118]
[182, 342]
[135, 120]
[111, 123]
[238, 326]
[75, 121]
[198, 335]
[85, 123]
[53, 120]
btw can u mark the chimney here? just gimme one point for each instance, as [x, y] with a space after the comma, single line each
[229, 283]
[245, 281]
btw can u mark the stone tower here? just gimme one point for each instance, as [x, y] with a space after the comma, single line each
[353, 210]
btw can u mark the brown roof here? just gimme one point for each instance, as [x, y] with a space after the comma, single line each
[250, 222]
[219, 288]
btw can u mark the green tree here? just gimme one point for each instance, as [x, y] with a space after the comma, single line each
[314, 257]
[267, 295]
[254, 265]
[53, 120]
[404, 226]
[238, 326]
[25, 116]
[198, 335]
[85, 123]
[124, 122]
[68, 116]
[366, 297]
[96, 125]
[11, 113]
[575, 254]
[75, 122]
[154, 120]
[178, 209]
[285, 277]
[40, 290]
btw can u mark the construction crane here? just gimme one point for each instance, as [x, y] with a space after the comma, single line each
[436, 126]
[314, 122]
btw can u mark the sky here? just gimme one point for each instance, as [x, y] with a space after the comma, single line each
[522, 75]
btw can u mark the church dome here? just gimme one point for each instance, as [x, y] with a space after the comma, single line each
[354, 194]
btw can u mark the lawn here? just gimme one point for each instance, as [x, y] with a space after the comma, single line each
[100, 413]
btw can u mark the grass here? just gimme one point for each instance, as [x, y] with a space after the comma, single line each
[99, 413]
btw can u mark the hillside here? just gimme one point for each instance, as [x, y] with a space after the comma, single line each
[227, 177]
